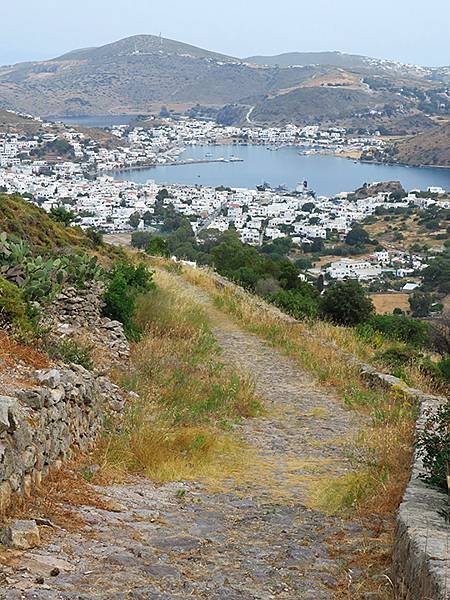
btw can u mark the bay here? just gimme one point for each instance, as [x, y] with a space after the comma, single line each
[325, 174]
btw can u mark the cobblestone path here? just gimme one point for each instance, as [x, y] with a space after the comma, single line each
[254, 539]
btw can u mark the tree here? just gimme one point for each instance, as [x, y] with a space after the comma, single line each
[61, 215]
[357, 237]
[147, 217]
[134, 220]
[140, 239]
[436, 277]
[157, 246]
[246, 277]
[346, 303]
[162, 194]
[420, 303]
[308, 207]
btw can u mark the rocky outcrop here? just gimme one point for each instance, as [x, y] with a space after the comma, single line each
[41, 425]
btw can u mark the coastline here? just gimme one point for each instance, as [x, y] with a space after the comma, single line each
[176, 163]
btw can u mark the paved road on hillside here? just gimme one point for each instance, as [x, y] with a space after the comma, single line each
[250, 539]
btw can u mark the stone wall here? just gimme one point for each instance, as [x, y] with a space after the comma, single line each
[42, 424]
[77, 314]
[421, 559]
[57, 411]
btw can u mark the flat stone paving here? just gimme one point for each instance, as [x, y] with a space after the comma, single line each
[250, 539]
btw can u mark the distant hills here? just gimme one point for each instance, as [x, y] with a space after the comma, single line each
[140, 74]
[331, 59]
[430, 148]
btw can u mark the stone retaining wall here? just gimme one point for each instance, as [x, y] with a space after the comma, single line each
[60, 410]
[421, 560]
[77, 313]
[41, 425]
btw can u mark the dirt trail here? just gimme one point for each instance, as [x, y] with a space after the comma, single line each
[254, 539]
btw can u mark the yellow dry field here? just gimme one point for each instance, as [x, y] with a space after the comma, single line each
[385, 303]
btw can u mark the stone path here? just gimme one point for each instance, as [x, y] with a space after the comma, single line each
[252, 539]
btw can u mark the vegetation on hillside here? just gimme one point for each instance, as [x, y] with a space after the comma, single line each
[25, 221]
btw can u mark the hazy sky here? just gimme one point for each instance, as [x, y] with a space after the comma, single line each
[415, 31]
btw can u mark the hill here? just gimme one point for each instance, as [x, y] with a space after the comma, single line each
[138, 75]
[289, 59]
[128, 76]
[430, 148]
[11, 122]
[143, 45]
[30, 223]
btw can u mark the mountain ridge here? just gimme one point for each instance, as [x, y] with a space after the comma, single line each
[142, 73]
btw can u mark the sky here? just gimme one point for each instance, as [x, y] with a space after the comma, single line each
[411, 31]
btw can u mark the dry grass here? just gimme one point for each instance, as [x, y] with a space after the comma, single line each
[57, 498]
[179, 427]
[385, 303]
[12, 351]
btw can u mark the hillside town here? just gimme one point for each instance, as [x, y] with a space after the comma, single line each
[81, 179]
[162, 141]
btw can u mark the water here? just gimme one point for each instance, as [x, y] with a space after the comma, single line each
[327, 175]
[101, 121]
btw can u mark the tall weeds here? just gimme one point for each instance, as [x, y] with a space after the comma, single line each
[179, 425]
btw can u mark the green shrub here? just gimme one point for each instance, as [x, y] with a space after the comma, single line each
[298, 303]
[126, 282]
[61, 215]
[69, 351]
[346, 303]
[402, 329]
[434, 447]
[157, 246]
[13, 309]
[444, 368]
[397, 356]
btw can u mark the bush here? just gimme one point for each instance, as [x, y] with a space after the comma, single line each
[444, 368]
[69, 351]
[346, 303]
[120, 303]
[397, 357]
[434, 447]
[157, 246]
[297, 303]
[13, 310]
[140, 239]
[401, 328]
[61, 215]
[420, 303]
[95, 236]
[126, 282]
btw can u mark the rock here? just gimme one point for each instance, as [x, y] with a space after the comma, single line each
[51, 378]
[21, 535]
[33, 398]
[116, 507]
[5, 496]
[8, 406]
